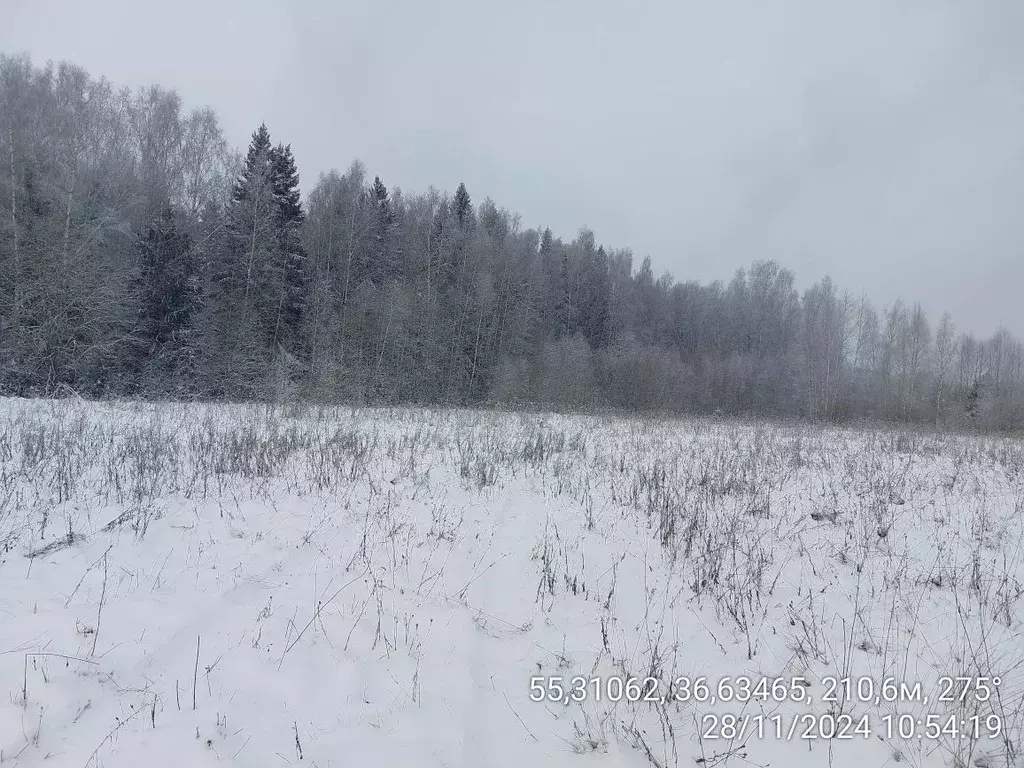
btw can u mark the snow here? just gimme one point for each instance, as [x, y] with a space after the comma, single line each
[378, 586]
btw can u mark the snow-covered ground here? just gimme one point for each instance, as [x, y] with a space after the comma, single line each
[254, 586]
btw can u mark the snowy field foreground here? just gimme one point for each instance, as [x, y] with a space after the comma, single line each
[194, 585]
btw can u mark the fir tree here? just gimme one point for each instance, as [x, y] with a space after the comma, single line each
[246, 279]
[463, 207]
[258, 161]
[168, 305]
[384, 267]
[289, 219]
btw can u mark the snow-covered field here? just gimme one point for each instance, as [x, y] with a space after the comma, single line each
[254, 586]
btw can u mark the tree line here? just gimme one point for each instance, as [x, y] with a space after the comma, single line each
[141, 256]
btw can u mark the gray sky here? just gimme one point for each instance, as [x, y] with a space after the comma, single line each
[879, 141]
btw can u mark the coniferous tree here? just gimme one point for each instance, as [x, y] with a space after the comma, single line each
[246, 282]
[595, 291]
[384, 266]
[289, 219]
[462, 207]
[169, 302]
[258, 281]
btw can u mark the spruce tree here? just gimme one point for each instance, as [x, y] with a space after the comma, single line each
[168, 305]
[463, 207]
[258, 161]
[246, 280]
[289, 219]
[596, 290]
[442, 246]
[384, 269]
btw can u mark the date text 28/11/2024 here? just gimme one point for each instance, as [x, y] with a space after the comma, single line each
[810, 727]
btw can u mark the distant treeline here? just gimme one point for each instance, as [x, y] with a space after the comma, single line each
[141, 256]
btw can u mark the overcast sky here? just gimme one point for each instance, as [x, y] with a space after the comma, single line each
[878, 141]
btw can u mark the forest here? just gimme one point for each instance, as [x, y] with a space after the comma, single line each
[142, 256]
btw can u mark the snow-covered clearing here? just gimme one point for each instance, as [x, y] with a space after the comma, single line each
[254, 586]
